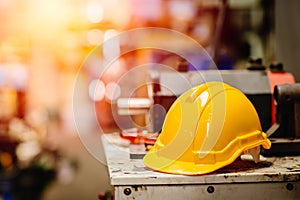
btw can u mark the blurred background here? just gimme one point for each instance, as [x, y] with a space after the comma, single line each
[47, 46]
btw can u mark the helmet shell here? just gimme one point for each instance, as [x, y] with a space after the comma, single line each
[206, 128]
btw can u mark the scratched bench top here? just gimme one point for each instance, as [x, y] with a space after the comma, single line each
[126, 171]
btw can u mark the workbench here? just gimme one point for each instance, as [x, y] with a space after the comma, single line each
[271, 178]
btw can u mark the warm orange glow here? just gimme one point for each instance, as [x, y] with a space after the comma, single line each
[8, 100]
[47, 17]
[118, 12]
[95, 37]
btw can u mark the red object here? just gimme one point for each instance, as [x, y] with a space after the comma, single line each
[276, 78]
[106, 196]
[135, 136]
[100, 196]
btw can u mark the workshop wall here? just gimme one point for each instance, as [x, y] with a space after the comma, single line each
[287, 35]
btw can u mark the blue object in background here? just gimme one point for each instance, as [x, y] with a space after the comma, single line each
[199, 62]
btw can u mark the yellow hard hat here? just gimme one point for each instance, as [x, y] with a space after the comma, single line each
[206, 128]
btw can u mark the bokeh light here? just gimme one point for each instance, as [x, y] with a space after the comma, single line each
[113, 91]
[96, 90]
[95, 11]
[95, 37]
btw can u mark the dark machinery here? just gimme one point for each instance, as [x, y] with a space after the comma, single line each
[285, 133]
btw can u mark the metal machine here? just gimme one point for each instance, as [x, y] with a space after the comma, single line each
[285, 133]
